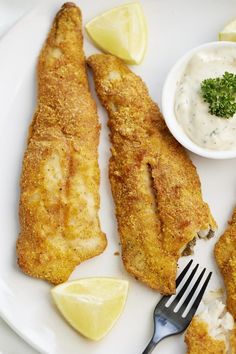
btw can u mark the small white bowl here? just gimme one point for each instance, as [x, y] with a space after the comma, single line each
[168, 100]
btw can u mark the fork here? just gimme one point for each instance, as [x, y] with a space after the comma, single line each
[167, 322]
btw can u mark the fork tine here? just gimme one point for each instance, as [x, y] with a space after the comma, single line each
[164, 299]
[198, 299]
[184, 271]
[192, 292]
[184, 288]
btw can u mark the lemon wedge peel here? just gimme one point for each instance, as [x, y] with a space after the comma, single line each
[92, 305]
[121, 31]
[229, 32]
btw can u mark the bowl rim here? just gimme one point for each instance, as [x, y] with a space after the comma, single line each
[176, 129]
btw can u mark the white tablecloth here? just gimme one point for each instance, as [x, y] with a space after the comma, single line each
[10, 11]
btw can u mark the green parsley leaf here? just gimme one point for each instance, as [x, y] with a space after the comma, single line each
[220, 93]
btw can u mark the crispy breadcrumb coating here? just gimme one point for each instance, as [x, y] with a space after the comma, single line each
[199, 341]
[155, 186]
[233, 341]
[59, 201]
[212, 331]
[225, 254]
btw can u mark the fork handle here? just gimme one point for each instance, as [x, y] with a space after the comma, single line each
[150, 347]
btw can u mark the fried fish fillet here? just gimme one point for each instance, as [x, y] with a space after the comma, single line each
[233, 341]
[212, 331]
[225, 254]
[199, 340]
[59, 199]
[155, 186]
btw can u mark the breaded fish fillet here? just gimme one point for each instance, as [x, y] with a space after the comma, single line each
[233, 341]
[59, 201]
[225, 254]
[155, 186]
[212, 331]
[199, 340]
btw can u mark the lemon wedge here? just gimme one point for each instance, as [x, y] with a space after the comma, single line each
[229, 32]
[121, 31]
[92, 305]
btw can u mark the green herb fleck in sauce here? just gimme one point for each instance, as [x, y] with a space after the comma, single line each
[220, 94]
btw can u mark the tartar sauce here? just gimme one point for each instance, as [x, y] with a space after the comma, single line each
[191, 111]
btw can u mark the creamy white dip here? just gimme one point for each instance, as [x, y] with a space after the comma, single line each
[191, 111]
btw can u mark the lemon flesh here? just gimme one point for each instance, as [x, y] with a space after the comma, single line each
[92, 305]
[229, 32]
[121, 31]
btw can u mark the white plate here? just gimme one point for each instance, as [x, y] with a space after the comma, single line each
[174, 28]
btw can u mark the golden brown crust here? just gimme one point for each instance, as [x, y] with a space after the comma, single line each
[233, 341]
[60, 179]
[225, 254]
[199, 341]
[156, 189]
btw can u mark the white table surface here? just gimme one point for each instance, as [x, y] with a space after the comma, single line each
[10, 12]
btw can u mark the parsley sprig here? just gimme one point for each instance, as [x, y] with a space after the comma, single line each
[220, 93]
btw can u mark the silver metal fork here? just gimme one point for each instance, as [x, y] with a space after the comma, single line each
[167, 322]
